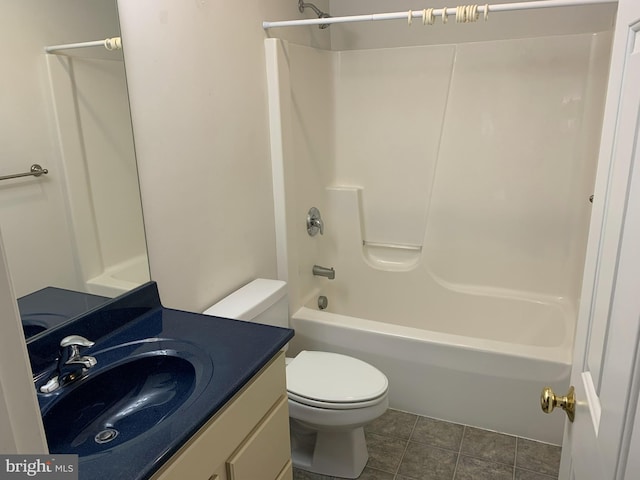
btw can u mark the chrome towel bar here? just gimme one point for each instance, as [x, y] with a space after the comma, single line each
[36, 170]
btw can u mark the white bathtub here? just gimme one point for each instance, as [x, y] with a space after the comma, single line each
[485, 383]
[118, 279]
[470, 354]
[465, 295]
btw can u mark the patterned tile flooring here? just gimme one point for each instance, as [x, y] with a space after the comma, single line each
[403, 446]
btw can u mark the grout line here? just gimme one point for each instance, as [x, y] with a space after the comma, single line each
[406, 446]
[543, 475]
[459, 451]
[455, 469]
[464, 430]
[413, 429]
[515, 457]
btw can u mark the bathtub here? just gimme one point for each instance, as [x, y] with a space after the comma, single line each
[120, 278]
[465, 296]
[486, 383]
[471, 354]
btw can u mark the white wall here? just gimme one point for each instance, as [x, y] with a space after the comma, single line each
[390, 111]
[89, 91]
[302, 114]
[481, 154]
[196, 75]
[510, 203]
[90, 95]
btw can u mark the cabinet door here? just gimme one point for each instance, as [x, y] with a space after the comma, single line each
[266, 451]
[207, 453]
[221, 475]
[287, 472]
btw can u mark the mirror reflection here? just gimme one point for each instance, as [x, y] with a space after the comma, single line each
[79, 227]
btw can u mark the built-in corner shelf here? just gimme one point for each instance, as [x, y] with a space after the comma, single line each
[392, 256]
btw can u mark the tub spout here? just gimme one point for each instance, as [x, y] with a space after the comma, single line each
[330, 273]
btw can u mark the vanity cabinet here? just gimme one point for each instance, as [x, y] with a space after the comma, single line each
[248, 439]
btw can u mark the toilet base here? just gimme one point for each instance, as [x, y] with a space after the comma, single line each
[338, 453]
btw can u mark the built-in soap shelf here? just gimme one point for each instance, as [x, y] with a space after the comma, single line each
[344, 208]
[392, 256]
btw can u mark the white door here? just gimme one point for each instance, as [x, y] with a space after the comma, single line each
[600, 444]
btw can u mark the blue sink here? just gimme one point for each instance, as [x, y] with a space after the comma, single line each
[32, 328]
[118, 404]
[133, 396]
[35, 323]
[160, 375]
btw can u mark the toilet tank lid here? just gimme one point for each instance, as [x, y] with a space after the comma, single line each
[254, 298]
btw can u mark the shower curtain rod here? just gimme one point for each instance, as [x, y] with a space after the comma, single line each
[439, 12]
[114, 43]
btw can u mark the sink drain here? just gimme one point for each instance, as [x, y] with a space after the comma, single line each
[105, 436]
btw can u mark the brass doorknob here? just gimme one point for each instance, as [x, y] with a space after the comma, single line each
[549, 401]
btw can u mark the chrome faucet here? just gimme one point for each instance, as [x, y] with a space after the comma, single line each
[71, 365]
[319, 271]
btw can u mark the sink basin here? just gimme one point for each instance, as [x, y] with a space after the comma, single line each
[118, 404]
[37, 322]
[30, 329]
[160, 375]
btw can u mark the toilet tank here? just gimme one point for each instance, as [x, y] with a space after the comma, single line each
[261, 301]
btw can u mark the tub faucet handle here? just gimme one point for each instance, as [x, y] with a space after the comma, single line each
[314, 222]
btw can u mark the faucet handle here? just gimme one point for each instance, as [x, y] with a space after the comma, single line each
[70, 352]
[314, 222]
[51, 386]
[75, 340]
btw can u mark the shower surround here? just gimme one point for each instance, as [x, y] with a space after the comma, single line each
[454, 183]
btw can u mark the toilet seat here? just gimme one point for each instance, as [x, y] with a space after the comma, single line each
[310, 402]
[334, 381]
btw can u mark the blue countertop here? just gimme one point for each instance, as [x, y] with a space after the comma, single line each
[225, 354]
[51, 306]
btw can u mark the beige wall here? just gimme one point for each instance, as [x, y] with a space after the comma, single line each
[197, 80]
[196, 76]
[217, 202]
[33, 213]
[21, 428]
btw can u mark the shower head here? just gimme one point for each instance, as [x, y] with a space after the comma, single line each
[324, 25]
[317, 11]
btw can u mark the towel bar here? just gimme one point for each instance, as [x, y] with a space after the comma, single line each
[36, 170]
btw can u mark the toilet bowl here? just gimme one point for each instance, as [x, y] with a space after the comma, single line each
[331, 396]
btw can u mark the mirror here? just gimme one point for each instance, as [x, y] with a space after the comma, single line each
[79, 227]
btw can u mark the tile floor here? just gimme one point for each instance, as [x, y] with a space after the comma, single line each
[403, 446]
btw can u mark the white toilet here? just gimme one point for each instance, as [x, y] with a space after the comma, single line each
[331, 396]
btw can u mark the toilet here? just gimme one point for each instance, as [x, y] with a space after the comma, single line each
[331, 396]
